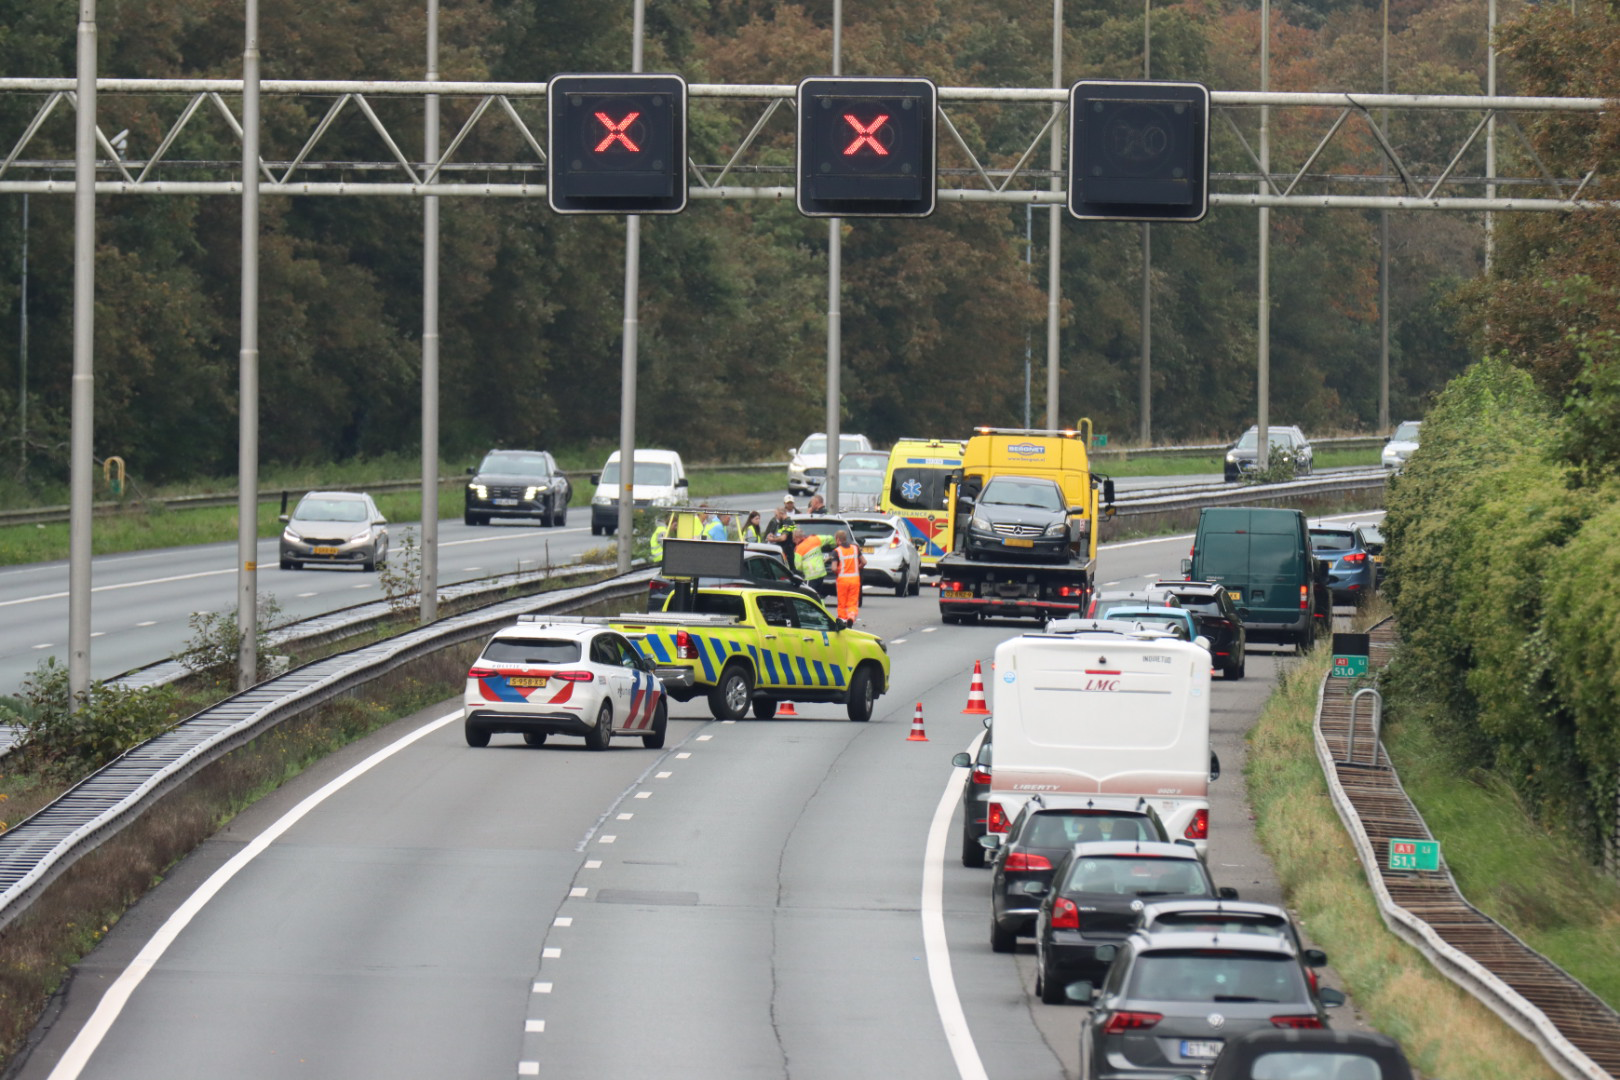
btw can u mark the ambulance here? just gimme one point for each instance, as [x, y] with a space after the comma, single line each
[1119, 711]
[915, 491]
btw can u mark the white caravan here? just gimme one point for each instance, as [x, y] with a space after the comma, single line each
[1106, 712]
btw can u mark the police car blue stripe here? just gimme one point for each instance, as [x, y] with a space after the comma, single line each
[821, 673]
[708, 668]
[503, 690]
[804, 670]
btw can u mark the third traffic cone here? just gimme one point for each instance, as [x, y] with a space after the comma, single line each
[786, 709]
[976, 705]
[917, 733]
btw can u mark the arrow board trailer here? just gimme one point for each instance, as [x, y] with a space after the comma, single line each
[1116, 714]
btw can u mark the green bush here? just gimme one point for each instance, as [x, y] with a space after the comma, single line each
[63, 745]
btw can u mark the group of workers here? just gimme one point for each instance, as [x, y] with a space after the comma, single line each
[806, 553]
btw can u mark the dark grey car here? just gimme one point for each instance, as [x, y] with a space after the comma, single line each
[1020, 517]
[517, 483]
[337, 527]
[1172, 1001]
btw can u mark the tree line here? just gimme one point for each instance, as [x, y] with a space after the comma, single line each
[937, 314]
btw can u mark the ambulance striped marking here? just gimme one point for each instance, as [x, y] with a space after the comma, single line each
[838, 674]
[770, 667]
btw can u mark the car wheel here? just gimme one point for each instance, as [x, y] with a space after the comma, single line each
[973, 854]
[475, 736]
[602, 734]
[729, 698]
[547, 517]
[1236, 671]
[370, 565]
[916, 584]
[562, 518]
[470, 518]
[286, 564]
[862, 695]
[764, 708]
[534, 738]
[654, 739]
[902, 587]
[1051, 993]
[1001, 939]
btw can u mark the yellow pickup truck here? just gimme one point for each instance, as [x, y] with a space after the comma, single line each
[746, 647]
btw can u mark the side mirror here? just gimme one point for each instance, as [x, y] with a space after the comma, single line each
[841, 624]
[1214, 766]
[1186, 568]
[1330, 997]
[1082, 992]
[1183, 840]
[1105, 954]
[596, 478]
[1073, 510]
[987, 723]
[919, 543]
[1034, 888]
[1226, 892]
[286, 518]
[1108, 491]
[792, 452]
[1202, 642]
[1314, 958]
[990, 842]
[380, 520]
[962, 760]
[682, 482]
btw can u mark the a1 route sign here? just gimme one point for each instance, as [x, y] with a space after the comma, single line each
[1414, 854]
[1350, 653]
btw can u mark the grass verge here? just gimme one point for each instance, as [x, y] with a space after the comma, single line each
[1445, 1031]
[1157, 465]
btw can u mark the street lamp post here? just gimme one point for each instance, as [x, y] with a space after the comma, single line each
[1054, 237]
[1383, 267]
[835, 303]
[247, 453]
[627, 358]
[428, 584]
[83, 400]
[1144, 432]
[1262, 451]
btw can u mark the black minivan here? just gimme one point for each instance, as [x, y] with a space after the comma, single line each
[1262, 556]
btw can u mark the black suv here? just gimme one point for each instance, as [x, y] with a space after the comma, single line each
[1216, 616]
[517, 483]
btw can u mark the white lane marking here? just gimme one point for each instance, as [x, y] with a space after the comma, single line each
[662, 775]
[643, 794]
[362, 585]
[528, 1068]
[928, 629]
[117, 996]
[1142, 543]
[593, 864]
[728, 721]
[510, 536]
[1109, 584]
[542, 988]
[682, 756]
[153, 622]
[98, 633]
[562, 920]
[704, 738]
[578, 890]
[626, 817]
[550, 954]
[124, 585]
[606, 839]
[946, 1001]
[898, 641]
[307, 595]
[534, 1025]
[470, 569]
[43, 645]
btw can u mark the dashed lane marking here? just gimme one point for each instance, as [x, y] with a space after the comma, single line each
[551, 954]
[562, 920]
[307, 595]
[528, 1068]
[643, 794]
[929, 629]
[662, 775]
[626, 817]
[542, 988]
[682, 757]
[578, 890]
[898, 641]
[153, 622]
[704, 738]
[606, 839]
[534, 1025]
[593, 864]
[44, 645]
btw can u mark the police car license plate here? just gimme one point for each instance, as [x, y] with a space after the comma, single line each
[504, 502]
[1200, 1048]
[956, 594]
[1236, 595]
[326, 551]
[526, 680]
[1018, 541]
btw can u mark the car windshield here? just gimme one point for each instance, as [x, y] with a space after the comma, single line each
[817, 444]
[313, 509]
[1332, 540]
[532, 651]
[1167, 620]
[1212, 922]
[512, 464]
[1407, 432]
[1065, 828]
[1012, 491]
[863, 461]
[1372, 534]
[918, 489]
[1217, 975]
[1314, 1065]
[821, 527]
[1105, 606]
[868, 531]
[861, 483]
[1278, 438]
[648, 473]
[1137, 875]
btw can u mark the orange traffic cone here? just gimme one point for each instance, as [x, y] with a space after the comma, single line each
[917, 733]
[976, 706]
[786, 709]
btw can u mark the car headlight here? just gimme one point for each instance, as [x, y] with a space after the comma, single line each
[360, 537]
[1057, 528]
[601, 500]
[980, 523]
[291, 537]
[531, 491]
[1231, 455]
[479, 490]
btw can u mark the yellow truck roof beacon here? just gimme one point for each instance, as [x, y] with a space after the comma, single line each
[916, 489]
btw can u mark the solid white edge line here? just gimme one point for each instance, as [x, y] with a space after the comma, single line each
[118, 994]
[935, 945]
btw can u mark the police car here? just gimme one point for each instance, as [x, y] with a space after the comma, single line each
[542, 678]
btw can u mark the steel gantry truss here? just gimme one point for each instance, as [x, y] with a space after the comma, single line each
[498, 151]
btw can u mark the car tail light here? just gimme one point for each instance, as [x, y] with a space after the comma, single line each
[1310, 1021]
[1304, 597]
[952, 586]
[1310, 977]
[1122, 1022]
[981, 776]
[997, 821]
[1065, 916]
[684, 649]
[1356, 558]
[482, 673]
[1018, 860]
[573, 676]
[894, 539]
[1198, 827]
[1071, 590]
[1224, 624]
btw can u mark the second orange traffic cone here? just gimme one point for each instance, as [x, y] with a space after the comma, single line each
[977, 706]
[786, 709]
[917, 733]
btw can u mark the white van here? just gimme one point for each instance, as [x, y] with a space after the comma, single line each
[1105, 712]
[660, 480]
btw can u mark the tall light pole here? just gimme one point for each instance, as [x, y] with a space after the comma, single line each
[1383, 268]
[1029, 275]
[627, 359]
[1490, 132]
[22, 348]
[835, 302]
[1262, 450]
[1144, 429]
[1054, 237]
[247, 453]
[428, 585]
[83, 402]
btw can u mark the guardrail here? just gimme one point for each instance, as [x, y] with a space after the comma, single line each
[1162, 500]
[1337, 442]
[1574, 1030]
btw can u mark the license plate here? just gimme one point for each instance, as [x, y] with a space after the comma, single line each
[525, 680]
[326, 551]
[1378, 558]
[1236, 595]
[1200, 1048]
[1018, 541]
[956, 594]
[504, 502]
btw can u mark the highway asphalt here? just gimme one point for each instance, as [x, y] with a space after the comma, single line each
[759, 899]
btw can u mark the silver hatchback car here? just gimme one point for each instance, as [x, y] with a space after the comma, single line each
[892, 559]
[340, 527]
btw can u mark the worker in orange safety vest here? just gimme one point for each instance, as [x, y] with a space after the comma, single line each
[848, 560]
